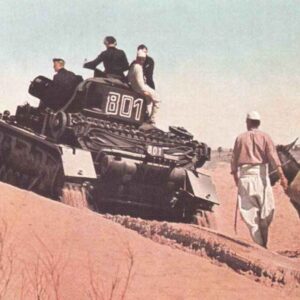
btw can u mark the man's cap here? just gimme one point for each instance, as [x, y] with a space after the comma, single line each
[253, 115]
[141, 53]
[60, 60]
[110, 40]
[142, 46]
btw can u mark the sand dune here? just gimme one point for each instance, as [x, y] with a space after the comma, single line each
[52, 251]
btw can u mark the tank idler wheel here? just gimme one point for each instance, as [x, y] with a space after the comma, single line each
[58, 124]
[205, 219]
[74, 195]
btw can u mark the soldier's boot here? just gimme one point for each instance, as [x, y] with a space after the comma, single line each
[155, 108]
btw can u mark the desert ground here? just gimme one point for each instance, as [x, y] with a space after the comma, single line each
[49, 250]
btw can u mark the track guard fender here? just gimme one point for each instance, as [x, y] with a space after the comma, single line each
[78, 163]
[201, 186]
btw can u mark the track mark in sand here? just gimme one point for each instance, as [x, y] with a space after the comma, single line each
[252, 261]
[290, 253]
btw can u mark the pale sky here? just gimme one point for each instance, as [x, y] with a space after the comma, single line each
[215, 60]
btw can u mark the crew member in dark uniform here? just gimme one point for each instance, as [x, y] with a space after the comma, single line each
[64, 83]
[63, 78]
[114, 60]
[148, 67]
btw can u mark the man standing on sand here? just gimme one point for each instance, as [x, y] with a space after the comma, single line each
[253, 151]
[137, 82]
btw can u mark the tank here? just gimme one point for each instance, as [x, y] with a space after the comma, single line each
[97, 151]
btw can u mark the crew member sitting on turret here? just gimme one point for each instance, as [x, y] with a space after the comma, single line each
[114, 60]
[137, 82]
[148, 67]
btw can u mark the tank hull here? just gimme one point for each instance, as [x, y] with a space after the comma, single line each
[95, 152]
[116, 181]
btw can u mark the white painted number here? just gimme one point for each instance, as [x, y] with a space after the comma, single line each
[128, 105]
[138, 103]
[154, 150]
[112, 105]
[126, 100]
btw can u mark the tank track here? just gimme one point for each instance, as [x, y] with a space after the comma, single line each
[130, 132]
[93, 134]
[30, 162]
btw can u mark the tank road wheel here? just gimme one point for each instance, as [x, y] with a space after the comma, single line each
[56, 183]
[10, 177]
[24, 181]
[18, 178]
[205, 219]
[74, 195]
[2, 172]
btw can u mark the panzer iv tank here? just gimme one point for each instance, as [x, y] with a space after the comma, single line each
[93, 151]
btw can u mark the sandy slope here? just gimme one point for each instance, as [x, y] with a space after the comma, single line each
[65, 253]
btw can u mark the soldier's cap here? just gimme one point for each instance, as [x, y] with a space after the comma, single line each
[142, 46]
[110, 40]
[253, 115]
[60, 60]
[141, 53]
